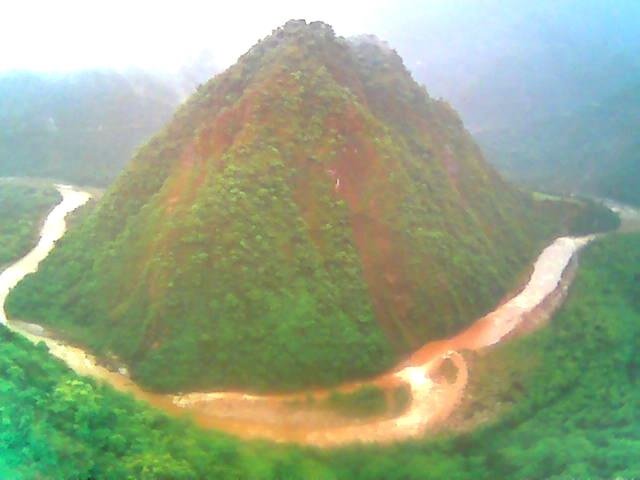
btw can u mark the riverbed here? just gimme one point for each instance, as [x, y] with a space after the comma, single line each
[292, 418]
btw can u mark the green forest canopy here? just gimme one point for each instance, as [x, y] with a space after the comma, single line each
[576, 412]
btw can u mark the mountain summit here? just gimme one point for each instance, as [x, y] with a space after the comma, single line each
[308, 216]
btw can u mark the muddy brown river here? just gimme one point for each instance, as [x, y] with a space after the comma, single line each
[289, 418]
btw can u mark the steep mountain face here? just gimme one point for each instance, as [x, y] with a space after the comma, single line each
[308, 216]
[81, 127]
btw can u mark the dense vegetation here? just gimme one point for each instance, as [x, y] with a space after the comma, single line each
[56, 425]
[369, 401]
[573, 385]
[23, 205]
[593, 217]
[80, 127]
[308, 216]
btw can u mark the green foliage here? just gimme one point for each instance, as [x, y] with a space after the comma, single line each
[369, 401]
[575, 383]
[593, 218]
[57, 425]
[400, 399]
[365, 401]
[23, 206]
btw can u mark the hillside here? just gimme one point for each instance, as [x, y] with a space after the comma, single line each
[594, 149]
[569, 412]
[81, 127]
[308, 216]
[565, 412]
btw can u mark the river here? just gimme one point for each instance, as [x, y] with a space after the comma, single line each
[52, 230]
[291, 418]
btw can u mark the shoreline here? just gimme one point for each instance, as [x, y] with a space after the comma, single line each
[274, 417]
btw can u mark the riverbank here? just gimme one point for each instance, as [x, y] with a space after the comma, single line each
[292, 418]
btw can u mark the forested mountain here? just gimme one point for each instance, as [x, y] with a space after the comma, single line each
[549, 89]
[568, 394]
[80, 127]
[308, 216]
[570, 412]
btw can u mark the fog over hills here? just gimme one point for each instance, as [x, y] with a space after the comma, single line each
[535, 82]
[531, 80]
[84, 126]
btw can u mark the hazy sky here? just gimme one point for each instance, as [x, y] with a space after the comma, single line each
[70, 34]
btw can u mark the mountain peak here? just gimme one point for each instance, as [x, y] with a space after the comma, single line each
[307, 217]
[302, 27]
[298, 31]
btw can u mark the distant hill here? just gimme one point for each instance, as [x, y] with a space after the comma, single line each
[308, 216]
[80, 127]
[548, 88]
[595, 149]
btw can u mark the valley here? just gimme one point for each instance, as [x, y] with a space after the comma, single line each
[297, 417]
[61, 425]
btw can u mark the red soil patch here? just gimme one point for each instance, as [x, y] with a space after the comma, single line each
[365, 187]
